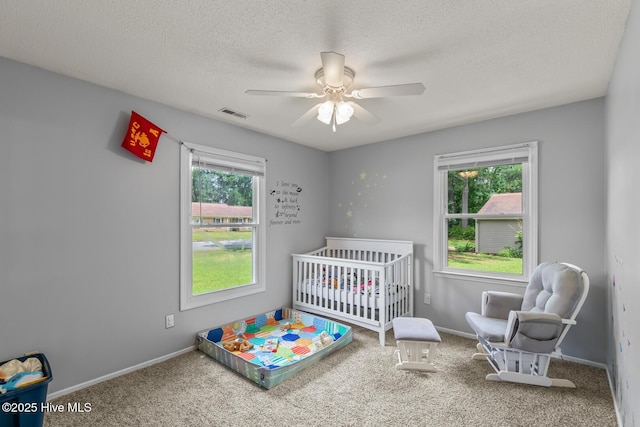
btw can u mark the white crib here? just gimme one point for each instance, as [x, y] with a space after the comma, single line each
[365, 282]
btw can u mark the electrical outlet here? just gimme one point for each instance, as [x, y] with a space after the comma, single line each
[169, 321]
[427, 298]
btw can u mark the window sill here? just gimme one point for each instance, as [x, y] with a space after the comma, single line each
[517, 281]
[189, 301]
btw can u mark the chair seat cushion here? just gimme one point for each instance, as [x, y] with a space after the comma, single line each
[489, 328]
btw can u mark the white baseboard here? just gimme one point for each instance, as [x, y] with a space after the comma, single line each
[95, 381]
[584, 362]
[613, 396]
[454, 332]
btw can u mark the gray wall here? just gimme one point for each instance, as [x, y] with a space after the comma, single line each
[393, 198]
[89, 250]
[623, 234]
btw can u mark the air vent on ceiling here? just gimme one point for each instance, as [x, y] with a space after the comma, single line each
[233, 113]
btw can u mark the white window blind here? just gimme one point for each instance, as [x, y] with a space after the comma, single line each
[505, 155]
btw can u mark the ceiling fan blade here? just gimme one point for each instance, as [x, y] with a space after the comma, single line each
[333, 68]
[383, 91]
[283, 93]
[362, 114]
[307, 116]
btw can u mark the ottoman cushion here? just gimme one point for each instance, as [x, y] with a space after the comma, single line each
[415, 329]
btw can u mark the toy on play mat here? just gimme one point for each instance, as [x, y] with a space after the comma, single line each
[241, 343]
[270, 345]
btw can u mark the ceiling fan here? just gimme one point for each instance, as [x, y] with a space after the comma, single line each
[335, 78]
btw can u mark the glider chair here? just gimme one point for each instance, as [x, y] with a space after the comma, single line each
[518, 335]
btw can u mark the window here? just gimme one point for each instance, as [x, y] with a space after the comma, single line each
[222, 235]
[485, 212]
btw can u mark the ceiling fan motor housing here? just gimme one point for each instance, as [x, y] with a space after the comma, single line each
[347, 80]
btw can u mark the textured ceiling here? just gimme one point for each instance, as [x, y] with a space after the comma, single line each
[478, 59]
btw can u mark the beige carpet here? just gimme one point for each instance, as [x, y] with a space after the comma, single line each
[357, 386]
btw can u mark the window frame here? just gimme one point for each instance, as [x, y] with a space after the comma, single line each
[226, 160]
[524, 153]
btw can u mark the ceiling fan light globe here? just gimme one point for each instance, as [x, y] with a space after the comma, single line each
[325, 112]
[344, 111]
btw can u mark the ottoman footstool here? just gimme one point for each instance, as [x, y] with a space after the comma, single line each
[416, 339]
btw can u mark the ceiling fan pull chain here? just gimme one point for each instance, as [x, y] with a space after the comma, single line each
[333, 118]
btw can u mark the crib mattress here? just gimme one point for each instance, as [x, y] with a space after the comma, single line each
[285, 341]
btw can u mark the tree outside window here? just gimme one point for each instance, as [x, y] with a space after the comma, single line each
[481, 243]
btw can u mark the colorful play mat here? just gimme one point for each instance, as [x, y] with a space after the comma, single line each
[273, 346]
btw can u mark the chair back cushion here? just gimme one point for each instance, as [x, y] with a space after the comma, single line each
[553, 288]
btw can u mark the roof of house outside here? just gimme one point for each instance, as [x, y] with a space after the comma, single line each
[503, 203]
[221, 210]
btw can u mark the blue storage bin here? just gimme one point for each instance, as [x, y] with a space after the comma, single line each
[23, 407]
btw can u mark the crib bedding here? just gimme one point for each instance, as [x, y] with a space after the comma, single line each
[350, 283]
[349, 295]
[284, 342]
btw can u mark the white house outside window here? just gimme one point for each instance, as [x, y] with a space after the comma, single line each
[485, 212]
[222, 235]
